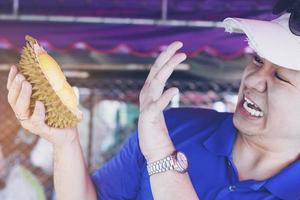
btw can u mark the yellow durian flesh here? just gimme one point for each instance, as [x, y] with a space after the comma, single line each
[58, 81]
[49, 85]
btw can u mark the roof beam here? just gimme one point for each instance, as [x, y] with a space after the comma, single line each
[110, 20]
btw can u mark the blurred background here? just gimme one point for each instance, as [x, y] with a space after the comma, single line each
[105, 49]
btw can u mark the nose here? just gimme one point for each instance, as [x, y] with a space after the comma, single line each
[257, 80]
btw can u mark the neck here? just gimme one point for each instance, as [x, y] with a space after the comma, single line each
[262, 156]
[270, 146]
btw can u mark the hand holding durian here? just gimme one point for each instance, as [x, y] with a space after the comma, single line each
[40, 96]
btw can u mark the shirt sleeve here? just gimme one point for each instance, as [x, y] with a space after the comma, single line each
[120, 177]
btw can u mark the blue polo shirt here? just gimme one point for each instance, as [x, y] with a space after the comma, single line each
[207, 138]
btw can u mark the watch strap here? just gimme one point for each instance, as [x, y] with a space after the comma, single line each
[165, 164]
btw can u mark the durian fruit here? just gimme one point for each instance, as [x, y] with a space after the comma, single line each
[49, 85]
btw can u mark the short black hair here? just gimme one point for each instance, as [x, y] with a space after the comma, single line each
[285, 6]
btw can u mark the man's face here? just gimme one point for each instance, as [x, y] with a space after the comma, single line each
[269, 100]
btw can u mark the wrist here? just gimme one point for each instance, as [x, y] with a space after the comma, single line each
[71, 139]
[159, 154]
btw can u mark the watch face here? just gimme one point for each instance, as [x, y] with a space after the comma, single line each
[182, 162]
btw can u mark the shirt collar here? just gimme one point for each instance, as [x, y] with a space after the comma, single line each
[284, 185]
[222, 140]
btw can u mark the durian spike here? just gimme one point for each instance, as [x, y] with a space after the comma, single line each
[49, 85]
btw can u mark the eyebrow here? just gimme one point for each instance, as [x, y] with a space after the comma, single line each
[291, 75]
[286, 72]
[289, 71]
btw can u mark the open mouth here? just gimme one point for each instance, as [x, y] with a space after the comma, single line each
[252, 108]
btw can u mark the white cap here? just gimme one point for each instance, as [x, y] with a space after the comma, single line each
[271, 40]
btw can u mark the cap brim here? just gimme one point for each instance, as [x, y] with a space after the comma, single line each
[269, 39]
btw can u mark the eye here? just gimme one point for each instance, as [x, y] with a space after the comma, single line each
[258, 60]
[278, 76]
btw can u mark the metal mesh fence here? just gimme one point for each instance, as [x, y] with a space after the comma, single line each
[110, 107]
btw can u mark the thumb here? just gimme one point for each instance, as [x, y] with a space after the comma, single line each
[38, 119]
[38, 115]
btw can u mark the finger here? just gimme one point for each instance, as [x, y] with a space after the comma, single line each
[36, 123]
[168, 53]
[166, 71]
[15, 89]
[11, 76]
[37, 119]
[23, 101]
[163, 58]
[165, 99]
[157, 84]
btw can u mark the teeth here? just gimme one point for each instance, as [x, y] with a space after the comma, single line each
[248, 101]
[252, 111]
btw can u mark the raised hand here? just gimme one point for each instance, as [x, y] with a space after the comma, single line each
[19, 93]
[154, 139]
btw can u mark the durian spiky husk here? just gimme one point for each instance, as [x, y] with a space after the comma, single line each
[49, 85]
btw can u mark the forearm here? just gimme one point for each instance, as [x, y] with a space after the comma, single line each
[71, 177]
[172, 185]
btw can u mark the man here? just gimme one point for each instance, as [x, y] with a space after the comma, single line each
[252, 154]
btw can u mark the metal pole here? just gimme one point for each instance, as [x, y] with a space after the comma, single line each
[164, 10]
[91, 127]
[15, 7]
